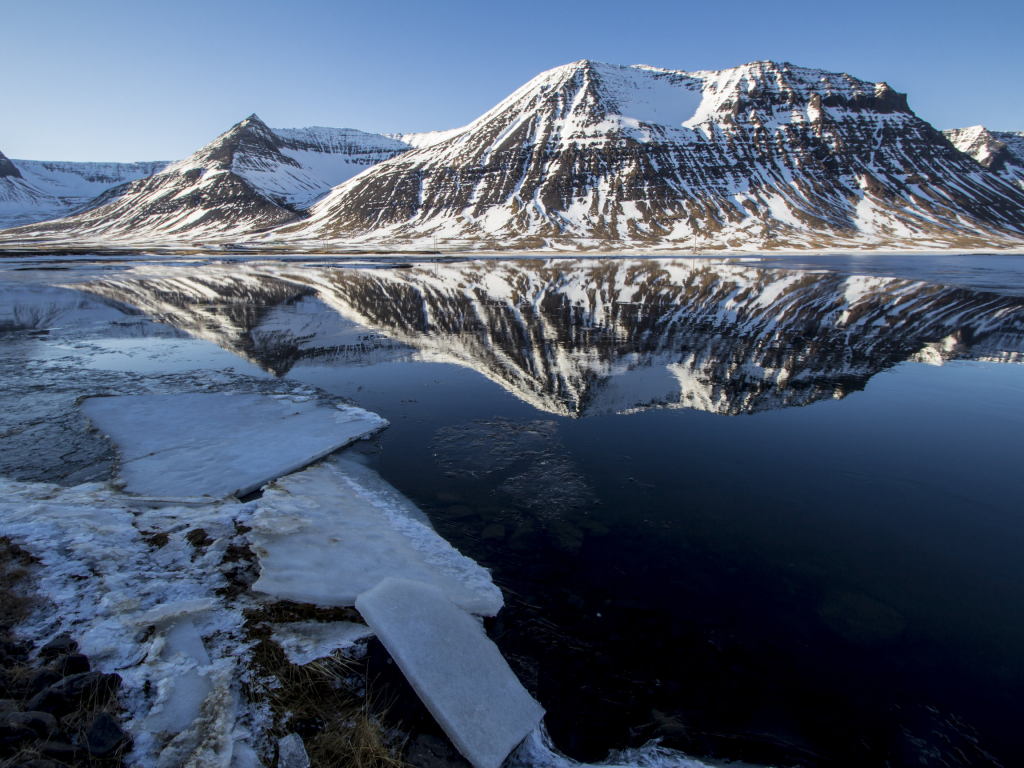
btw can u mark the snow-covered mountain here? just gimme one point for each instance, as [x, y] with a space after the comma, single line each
[595, 156]
[1001, 152]
[583, 338]
[762, 155]
[33, 190]
[250, 178]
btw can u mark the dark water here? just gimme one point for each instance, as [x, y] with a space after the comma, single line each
[762, 513]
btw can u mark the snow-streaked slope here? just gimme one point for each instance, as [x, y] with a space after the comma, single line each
[583, 338]
[1001, 152]
[758, 156]
[250, 178]
[425, 139]
[323, 158]
[33, 190]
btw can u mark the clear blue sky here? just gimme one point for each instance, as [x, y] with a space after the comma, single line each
[141, 80]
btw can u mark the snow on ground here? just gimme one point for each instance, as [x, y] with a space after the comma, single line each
[141, 599]
[217, 444]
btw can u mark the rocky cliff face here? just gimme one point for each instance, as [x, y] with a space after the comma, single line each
[1001, 152]
[761, 155]
[250, 178]
[584, 338]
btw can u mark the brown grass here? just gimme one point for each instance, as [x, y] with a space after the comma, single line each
[16, 599]
[314, 698]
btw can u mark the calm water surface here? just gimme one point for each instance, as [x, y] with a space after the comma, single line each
[767, 511]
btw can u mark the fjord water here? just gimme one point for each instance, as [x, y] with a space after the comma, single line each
[768, 512]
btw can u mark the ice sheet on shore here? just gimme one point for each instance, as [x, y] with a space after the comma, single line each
[331, 532]
[219, 444]
[306, 641]
[148, 611]
[458, 673]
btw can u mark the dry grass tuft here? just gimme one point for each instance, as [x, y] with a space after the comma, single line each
[15, 597]
[359, 744]
[337, 726]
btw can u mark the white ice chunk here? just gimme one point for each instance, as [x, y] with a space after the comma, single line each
[182, 692]
[183, 637]
[291, 753]
[216, 444]
[208, 741]
[325, 535]
[167, 611]
[244, 756]
[458, 673]
[306, 641]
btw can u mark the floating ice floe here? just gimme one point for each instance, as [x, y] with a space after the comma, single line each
[458, 673]
[306, 641]
[331, 532]
[220, 444]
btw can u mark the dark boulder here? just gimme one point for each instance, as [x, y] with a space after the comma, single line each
[59, 646]
[73, 664]
[13, 737]
[105, 736]
[42, 723]
[42, 680]
[73, 691]
[60, 750]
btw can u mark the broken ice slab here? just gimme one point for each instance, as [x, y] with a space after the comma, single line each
[331, 532]
[291, 753]
[458, 673]
[220, 444]
[306, 641]
[181, 692]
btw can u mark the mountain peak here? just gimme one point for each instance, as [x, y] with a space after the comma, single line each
[603, 153]
[978, 142]
[247, 138]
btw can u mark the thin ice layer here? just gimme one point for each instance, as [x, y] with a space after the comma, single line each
[219, 444]
[306, 641]
[458, 673]
[327, 534]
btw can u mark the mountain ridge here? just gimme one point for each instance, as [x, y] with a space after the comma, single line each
[593, 156]
[248, 179]
[581, 151]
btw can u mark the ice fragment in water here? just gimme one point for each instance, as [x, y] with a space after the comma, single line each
[327, 534]
[216, 444]
[481, 447]
[458, 673]
[550, 487]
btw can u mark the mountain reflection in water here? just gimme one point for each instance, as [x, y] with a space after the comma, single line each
[579, 338]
